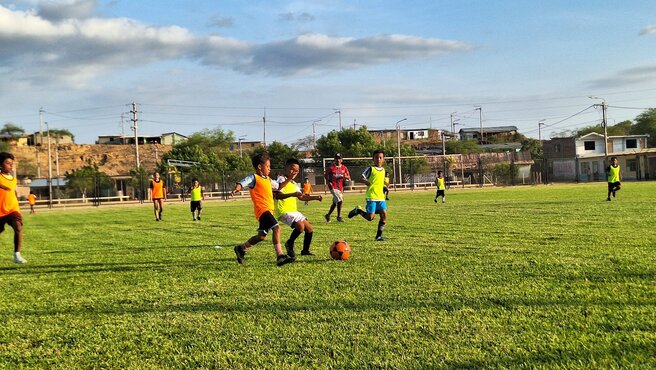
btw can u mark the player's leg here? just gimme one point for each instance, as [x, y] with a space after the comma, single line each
[297, 230]
[161, 207]
[339, 211]
[307, 238]
[156, 209]
[610, 190]
[382, 211]
[333, 205]
[16, 222]
[199, 208]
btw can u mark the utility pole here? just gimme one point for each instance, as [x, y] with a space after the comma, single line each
[122, 128]
[38, 161]
[135, 127]
[314, 134]
[540, 124]
[264, 125]
[398, 143]
[604, 106]
[49, 170]
[339, 113]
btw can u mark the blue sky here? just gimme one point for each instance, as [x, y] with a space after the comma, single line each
[194, 65]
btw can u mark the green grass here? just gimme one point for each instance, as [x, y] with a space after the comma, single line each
[546, 277]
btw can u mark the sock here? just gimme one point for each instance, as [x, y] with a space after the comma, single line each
[17, 254]
[292, 238]
[307, 239]
[381, 227]
[362, 212]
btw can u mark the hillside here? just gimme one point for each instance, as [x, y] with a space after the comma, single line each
[114, 160]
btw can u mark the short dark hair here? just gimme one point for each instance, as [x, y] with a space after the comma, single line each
[292, 161]
[259, 159]
[439, 173]
[194, 179]
[5, 155]
[378, 151]
[613, 158]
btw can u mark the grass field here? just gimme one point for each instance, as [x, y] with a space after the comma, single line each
[547, 277]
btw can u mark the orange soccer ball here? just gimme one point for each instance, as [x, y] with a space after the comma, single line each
[340, 250]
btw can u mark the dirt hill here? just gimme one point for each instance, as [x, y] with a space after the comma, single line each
[114, 160]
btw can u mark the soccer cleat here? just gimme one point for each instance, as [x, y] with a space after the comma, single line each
[239, 251]
[354, 212]
[608, 199]
[198, 218]
[339, 219]
[327, 217]
[19, 259]
[435, 200]
[194, 219]
[284, 259]
[613, 194]
[306, 253]
[443, 200]
[290, 250]
[381, 239]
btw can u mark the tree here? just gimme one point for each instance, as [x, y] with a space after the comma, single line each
[12, 130]
[645, 123]
[279, 154]
[622, 128]
[57, 134]
[87, 179]
[463, 147]
[348, 142]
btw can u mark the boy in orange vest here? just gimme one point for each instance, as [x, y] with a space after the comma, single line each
[307, 188]
[9, 209]
[31, 200]
[158, 195]
[261, 187]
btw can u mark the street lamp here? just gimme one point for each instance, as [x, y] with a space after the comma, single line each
[49, 168]
[239, 140]
[398, 143]
[314, 134]
[540, 124]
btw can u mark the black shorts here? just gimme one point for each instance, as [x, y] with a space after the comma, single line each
[440, 193]
[613, 185]
[267, 222]
[195, 205]
[13, 219]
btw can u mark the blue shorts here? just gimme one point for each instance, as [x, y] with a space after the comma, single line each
[375, 206]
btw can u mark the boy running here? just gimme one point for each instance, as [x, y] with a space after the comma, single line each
[261, 190]
[31, 200]
[196, 196]
[9, 210]
[614, 178]
[287, 211]
[157, 195]
[335, 176]
[374, 178]
[439, 181]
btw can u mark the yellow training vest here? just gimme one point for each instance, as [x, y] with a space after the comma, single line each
[614, 174]
[288, 204]
[377, 182]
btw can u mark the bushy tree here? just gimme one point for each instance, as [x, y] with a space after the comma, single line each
[645, 123]
[12, 130]
[279, 154]
[86, 180]
[463, 147]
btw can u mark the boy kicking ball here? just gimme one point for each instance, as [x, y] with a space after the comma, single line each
[286, 208]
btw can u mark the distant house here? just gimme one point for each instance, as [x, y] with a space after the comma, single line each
[22, 140]
[490, 134]
[424, 140]
[170, 138]
[245, 146]
[41, 139]
[583, 158]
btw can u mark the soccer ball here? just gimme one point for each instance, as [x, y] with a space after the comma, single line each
[340, 250]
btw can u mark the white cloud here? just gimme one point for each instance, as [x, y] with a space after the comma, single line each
[78, 48]
[67, 9]
[648, 30]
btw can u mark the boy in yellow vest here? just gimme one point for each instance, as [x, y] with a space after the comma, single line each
[441, 188]
[261, 187]
[374, 178]
[287, 211]
[9, 210]
[614, 177]
[196, 196]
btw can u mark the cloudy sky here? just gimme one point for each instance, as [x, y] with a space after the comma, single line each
[192, 65]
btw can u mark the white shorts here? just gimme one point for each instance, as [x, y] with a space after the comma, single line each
[337, 196]
[290, 218]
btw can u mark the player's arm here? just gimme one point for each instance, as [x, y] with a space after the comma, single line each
[309, 197]
[164, 191]
[327, 176]
[246, 182]
[280, 195]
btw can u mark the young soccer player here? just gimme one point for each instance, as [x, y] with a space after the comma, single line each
[196, 196]
[307, 188]
[287, 211]
[9, 210]
[158, 195]
[31, 200]
[261, 190]
[614, 178]
[439, 181]
[335, 175]
[374, 178]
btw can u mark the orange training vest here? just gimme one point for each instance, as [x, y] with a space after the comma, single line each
[8, 200]
[158, 189]
[262, 196]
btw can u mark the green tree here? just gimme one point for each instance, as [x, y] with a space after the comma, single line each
[85, 180]
[645, 123]
[12, 130]
[279, 154]
[622, 128]
[348, 142]
[57, 134]
[463, 147]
